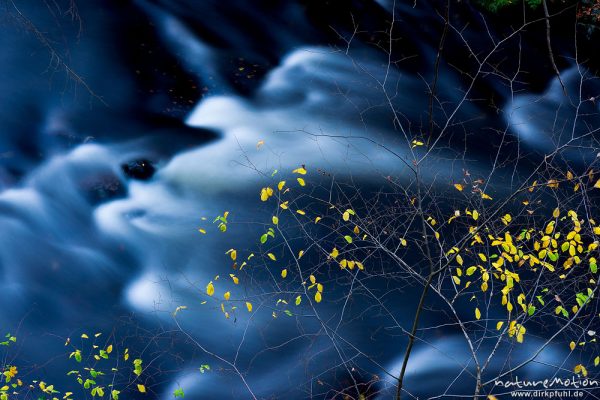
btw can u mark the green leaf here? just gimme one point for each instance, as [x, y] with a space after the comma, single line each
[539, 298]
[348, 239]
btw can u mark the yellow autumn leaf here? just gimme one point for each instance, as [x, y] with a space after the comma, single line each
[499, 325]
[300, 171]
[485, 196]
[141, 388]
[283, 273]
[301, 181]
[475, 215]
[597, 184]
[301, 212]
[459, 187]
[227, 295]
[263, 194]
[477, 313]
[280, 185]
[260, 144]
[272, 256]
[249, 306]
[334, 253]
[572, 346]
[312, 278]
[318, 297]
[210, 289]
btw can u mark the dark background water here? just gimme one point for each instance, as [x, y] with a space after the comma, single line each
[122, 123]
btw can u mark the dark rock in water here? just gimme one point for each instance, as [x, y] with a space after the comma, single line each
[102, 188]
[139, 169]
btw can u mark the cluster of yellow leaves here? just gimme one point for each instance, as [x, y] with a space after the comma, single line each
[351, 264]
[301, 171]
[313, 284]
[266, 193]
[516, 329]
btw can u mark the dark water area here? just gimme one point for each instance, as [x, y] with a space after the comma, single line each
[122, 123]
